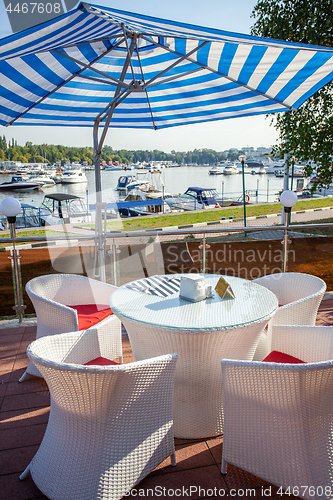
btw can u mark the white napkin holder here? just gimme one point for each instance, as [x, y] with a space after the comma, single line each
[194, 288]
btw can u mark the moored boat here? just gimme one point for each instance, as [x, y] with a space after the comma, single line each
[215, 171]
[63, 208]
[138, 202]
[128, 182]
[73, 176]
[18, 183]
[44, 180]
[230, 169]
[194, 198]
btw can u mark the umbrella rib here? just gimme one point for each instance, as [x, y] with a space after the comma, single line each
[98, 80]
[146, 92]
[182, 57]
[88, 66]
[115, 101]
[116, 95]
[128, 51]
[176, 63]
[175, 77]
[57, 88]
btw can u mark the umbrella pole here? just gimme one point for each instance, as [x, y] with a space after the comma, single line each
[100, 237]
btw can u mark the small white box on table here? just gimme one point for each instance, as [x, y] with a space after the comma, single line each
[194, 288]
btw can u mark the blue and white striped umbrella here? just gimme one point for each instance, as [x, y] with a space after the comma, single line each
[97, 65]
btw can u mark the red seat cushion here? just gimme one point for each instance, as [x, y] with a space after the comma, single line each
[281, 357]
[91, 314]
[101, 361]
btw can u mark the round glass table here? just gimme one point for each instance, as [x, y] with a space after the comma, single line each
[202, 334]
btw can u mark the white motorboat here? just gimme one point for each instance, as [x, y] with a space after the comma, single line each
[297, 171]
[73, 176]
[262, 170]
[63, 208]
[215, 171]
[230, 169]
[274, 166]
[112, 167]
[194, 198]
[44, 180]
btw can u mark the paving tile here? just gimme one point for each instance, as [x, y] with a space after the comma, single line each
[22, 401]
[9, 348]
[3, 388]
[188, 456]
[215, 447]
[16, 460]
[17, 437]
[7, 364]
[4, 377]
[30, 330]
[9, 342]
[192, 483]
[19, 418]
[30, 384]
[236, 478]
[21, 361]
[12, 332]
[11, 488]
[19, 370]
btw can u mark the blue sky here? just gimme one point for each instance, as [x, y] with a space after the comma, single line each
[219, 135]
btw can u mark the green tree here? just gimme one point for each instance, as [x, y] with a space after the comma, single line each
[306, 135]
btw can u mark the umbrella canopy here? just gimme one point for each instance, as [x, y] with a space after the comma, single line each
[99, 66]
[152, 73]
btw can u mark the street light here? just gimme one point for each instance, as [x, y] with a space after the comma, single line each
[242, 159]
[287, 199]
[11, 207]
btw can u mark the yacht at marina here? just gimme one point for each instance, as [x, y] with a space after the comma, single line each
[230, 169]
[215, 171]
[73, 176]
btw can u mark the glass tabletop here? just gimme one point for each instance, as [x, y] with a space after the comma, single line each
[252, 302]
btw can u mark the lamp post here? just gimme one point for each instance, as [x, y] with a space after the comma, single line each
[11, 207]
[242, 159]
[287, 199]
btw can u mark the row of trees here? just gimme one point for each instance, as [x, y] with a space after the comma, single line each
[32, 153]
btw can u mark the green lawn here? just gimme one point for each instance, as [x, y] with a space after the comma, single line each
[146, 222]
[35, 232]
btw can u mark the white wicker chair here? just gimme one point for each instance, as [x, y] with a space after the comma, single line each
[299, 297]
[51, 296]
[278, 417]
[109, 426]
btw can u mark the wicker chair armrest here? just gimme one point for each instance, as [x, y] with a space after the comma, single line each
[312, 344]
[300, 312]
[53, 316]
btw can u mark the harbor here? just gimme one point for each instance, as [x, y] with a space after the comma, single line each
[172, 182]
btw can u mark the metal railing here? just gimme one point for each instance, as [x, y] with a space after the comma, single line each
[116, 240]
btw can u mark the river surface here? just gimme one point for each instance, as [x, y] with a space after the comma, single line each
[261, 188]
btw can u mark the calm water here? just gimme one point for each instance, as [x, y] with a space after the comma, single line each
[176, 181]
